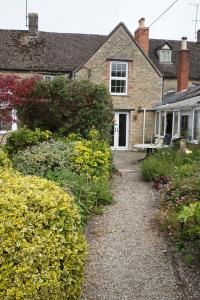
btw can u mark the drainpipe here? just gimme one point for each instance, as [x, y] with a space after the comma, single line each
[144, 125]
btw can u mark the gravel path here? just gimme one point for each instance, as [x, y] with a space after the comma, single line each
[127, 257]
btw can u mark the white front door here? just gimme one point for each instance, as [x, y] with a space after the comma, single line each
[119, 135]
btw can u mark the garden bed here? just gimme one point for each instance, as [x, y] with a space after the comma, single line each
[176, 175]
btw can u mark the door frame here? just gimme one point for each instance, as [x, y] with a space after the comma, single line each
[116, 131]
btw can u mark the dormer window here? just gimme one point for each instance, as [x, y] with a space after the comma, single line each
[165, 55]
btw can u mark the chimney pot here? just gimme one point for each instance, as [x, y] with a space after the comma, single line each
[184, 43]
[142, 23]
[33, 24]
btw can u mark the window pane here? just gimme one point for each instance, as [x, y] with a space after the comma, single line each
[118, 70]
[114, 73]
[176, 123]
[162, 129]
[165, 56]
[118, 86]
[197, 124]
[114, 67]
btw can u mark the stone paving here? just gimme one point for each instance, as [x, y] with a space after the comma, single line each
[128, 259]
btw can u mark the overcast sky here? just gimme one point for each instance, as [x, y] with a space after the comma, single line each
[101, 16]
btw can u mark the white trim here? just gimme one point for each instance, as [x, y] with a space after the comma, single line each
[193, 114]
[195, 141]
[173, 123]
[119, 78]
[144, 126]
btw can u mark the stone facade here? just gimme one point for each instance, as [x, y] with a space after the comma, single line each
[144, 80]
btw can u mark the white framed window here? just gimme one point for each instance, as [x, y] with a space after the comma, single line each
[118, 78]
[165, 55]
[196, 125]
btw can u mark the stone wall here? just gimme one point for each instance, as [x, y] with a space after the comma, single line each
[144, 82]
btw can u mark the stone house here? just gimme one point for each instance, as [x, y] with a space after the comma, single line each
[132, 66]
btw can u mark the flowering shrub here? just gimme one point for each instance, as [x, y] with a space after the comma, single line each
[91, 158]
[4, 160]
[42, 246]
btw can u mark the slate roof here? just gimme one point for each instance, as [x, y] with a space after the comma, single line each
[170, 70]
[54, 52]
[64, 52]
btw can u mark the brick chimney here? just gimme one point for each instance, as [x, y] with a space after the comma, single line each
[142, 36]
[33, 24]
[183, 67]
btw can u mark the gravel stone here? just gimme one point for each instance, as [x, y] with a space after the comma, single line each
[128, 258]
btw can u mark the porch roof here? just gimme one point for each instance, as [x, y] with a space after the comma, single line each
[191, 102]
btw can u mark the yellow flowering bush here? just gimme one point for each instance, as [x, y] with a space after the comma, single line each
[42, 247]
[4, 160]
[91, 158]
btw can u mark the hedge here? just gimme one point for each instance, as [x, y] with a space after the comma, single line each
[42, 250]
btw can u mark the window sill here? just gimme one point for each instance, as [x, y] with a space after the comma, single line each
[118, 94]
[165, 63]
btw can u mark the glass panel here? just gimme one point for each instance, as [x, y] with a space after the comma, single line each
[118, 86]
[157, 122]
[184, 126]
[162, 125]
[176, 123]
[165, 56]
[197, 124]
[169, 123]
[122, 130]
[118, 70]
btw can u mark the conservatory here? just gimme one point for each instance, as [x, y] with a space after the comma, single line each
[180, 119]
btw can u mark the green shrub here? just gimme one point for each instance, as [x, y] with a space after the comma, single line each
[72, 106]
[190, 217]
[152, 168]
[88, 194]
[40, 159]
[24, 137]
[166, 162]
[42, 248]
